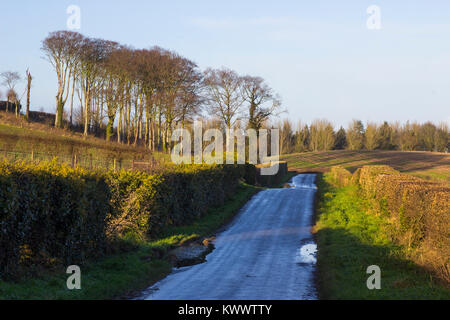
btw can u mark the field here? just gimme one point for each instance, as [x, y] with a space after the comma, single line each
[425, 165]
[22, 140]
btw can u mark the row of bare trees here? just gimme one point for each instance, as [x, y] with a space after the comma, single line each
[320, 135]
[142, 95]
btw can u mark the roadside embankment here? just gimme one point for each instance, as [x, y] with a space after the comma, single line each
[378, 216]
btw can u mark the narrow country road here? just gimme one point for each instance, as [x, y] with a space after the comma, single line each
[267, 252]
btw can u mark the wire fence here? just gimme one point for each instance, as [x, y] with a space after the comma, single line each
[90, 162]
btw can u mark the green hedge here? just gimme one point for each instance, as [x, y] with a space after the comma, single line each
[52, 214]
[418, 210]
[341, 177]
[144, 204]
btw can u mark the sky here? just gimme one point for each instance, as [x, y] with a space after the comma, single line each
[320, 56]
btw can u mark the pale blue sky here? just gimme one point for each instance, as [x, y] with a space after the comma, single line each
[318, 55]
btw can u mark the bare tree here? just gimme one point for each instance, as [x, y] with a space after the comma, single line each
[62, 50]
[93, 52]
[386, 136]
[287, 143]
[355, 135]
[13, 97]
[223, 87]
[322, 136]
[442, 137]
[10, 80]
[263, 103]
[408, 137]
[372, 137]
[29, 79]
[183, 98]
[147, 92]
[302, 137]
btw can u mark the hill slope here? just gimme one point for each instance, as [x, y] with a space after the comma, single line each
[22, 140]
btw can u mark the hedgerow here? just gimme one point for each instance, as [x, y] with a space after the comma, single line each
[52, 214]
[340, 176]
[144, 204]
[419, 211]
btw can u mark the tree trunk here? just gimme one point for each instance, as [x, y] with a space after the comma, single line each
[71, 102]
[118, 126]
[29, 78]
[110, 127]
[86, 112]
[59, 112]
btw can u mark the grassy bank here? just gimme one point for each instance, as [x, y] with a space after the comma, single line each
[122, 274]
[349, 241]
[23, 140]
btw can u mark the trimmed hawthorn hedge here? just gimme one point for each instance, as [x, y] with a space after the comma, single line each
[341, 176]
[143, 204]
[418, 210]
[53, 214]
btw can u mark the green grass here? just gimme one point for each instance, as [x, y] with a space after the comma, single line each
[350, 240]
[122, 275]
[20, 139]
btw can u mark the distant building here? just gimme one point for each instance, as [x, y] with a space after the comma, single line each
[11, 106]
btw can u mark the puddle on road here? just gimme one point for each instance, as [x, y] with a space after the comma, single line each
[307, 254]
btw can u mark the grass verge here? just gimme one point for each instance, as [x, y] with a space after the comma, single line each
[124, 274]
[350, 240]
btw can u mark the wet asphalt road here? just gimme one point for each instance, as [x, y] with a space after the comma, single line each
[267, 252]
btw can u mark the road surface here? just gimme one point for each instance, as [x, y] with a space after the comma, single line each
[266, 253]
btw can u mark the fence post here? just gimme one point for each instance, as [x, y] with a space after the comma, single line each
[132, 164]
[32, 155]
[75, 162]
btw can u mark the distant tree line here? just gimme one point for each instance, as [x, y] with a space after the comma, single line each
[321, 135]
[139, 96]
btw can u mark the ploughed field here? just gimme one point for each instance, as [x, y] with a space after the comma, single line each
[425, 165]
